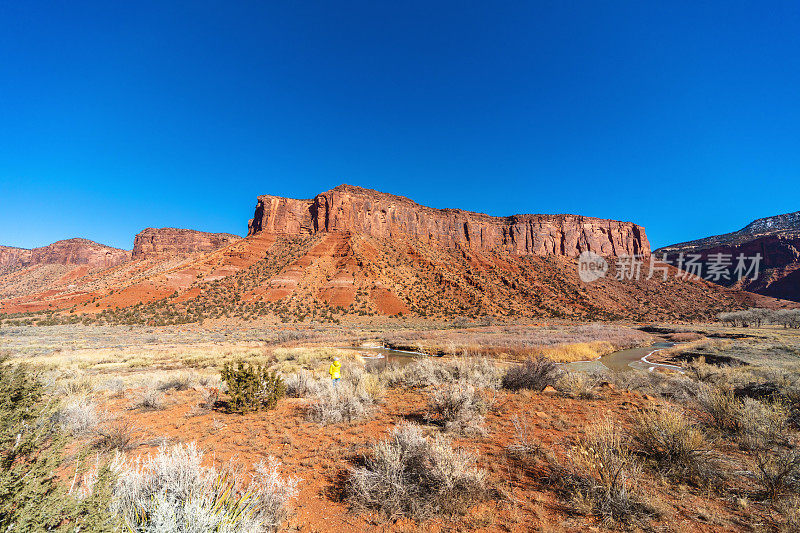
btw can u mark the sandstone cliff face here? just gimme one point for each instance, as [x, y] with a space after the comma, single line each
[159, 242]
[67, 252]
[348, 208]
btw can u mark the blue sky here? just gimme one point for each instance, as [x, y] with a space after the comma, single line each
[115, 116]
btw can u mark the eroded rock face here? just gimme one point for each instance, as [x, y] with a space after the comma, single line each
[10, 256]
[66, 252]
[349, 208]
[159, 242]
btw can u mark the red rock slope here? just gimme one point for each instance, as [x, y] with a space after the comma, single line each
[356, 252]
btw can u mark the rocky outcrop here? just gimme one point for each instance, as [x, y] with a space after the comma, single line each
[358, 210]
[66, 252]
[160, 242]
[9, 256]
[775, 239]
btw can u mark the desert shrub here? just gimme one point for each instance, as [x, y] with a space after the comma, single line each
[344, 402]
[534, 374]
[422, 373]
[755, 424]
[577, 385]
[252, 387]
[115, 386]
[677, 388]
[372, 385]
[789, 510]
[78, 416]
[115, 434]
[763, 424]
[677, 445]
[480, 372]
[459, 407]
[700, 370]
[600, 475]
[177, 382]
[32, 498]
[724, 408]
[410, 475]
[301, 384]
[76, 385]
[173, 492]
[777, 471]
[149, 399]
[209, 396]
[526, 445]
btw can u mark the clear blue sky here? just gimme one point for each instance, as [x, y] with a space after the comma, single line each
[114, 116]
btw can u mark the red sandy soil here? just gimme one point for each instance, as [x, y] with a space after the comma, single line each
[321, 455]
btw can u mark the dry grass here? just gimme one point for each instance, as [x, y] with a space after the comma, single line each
[601, 476]
[676, 444]
[567, 343]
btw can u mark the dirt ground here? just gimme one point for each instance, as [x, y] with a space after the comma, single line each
[320, 457]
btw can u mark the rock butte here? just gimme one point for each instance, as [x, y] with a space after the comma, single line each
[66, 252]
[358, 210]
[159, 242]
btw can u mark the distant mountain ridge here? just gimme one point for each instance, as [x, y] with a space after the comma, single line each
[775, 239]
[787, 225]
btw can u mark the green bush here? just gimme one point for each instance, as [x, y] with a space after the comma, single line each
[31, 496]
[252, 387]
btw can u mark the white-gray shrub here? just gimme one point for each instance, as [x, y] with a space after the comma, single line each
[172, 492]
[428, 371]
[344, 402]
[459, 407]
[78, 416]
[301, 385]
[410, 475]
